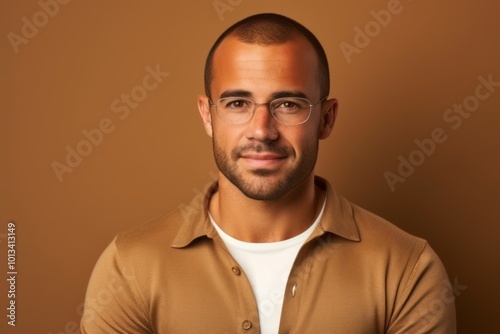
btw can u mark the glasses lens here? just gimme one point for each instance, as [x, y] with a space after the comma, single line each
[234, 110]
[291, 110]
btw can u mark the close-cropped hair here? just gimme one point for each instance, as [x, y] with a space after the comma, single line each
[270, 29]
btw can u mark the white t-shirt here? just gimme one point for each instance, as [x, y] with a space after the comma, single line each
[267, 267]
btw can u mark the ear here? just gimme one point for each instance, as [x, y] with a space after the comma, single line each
[206, 116]
[328, 116]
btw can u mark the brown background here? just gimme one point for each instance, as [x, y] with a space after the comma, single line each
[396, 90]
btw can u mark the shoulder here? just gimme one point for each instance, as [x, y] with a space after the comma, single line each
[382, 242]
[159, 228]
[377, 230]
[384, 238]
[188, 220]
[145, 240]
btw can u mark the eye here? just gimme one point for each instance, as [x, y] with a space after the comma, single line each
[288, 106]
[234, 104]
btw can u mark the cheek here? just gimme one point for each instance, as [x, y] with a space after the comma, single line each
[302, 140]
[226, 138]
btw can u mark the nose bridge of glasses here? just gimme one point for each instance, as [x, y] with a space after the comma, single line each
[268, 112]
[257, 105]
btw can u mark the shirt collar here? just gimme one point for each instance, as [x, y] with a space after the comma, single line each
[337, 218]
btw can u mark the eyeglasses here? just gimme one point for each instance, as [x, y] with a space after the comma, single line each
[287, 110]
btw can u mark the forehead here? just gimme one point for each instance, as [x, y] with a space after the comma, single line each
[264, 69]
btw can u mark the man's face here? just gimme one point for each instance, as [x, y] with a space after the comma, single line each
[263, 158]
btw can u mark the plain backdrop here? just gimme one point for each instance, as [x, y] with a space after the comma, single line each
[66, 68]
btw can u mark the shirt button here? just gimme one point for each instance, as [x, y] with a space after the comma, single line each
[236, 270]
[246, 324]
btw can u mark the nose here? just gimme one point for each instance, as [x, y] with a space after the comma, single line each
[262, 126]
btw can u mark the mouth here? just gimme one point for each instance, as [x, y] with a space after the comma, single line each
[263, 160]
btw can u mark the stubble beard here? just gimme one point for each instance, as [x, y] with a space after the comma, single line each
[266, 184]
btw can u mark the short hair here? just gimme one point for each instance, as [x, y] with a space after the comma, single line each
[270, 29]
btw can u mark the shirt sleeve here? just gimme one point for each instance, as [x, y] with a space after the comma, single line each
[113, 303]
[426, 303]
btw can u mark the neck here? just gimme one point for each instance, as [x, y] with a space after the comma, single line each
[252, 220]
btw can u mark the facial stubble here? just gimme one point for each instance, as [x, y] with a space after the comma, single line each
[266, 184]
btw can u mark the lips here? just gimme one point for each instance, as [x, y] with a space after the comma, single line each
[262, 156]
[262, 159]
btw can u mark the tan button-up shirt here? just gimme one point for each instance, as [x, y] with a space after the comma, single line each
[357, 273]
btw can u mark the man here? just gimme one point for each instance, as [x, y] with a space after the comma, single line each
[270, 248]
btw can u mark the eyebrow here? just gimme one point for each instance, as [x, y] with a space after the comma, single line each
[235, 93]
[276, 95]
[285, 93]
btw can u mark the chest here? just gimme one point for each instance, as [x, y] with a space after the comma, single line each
[321, 292]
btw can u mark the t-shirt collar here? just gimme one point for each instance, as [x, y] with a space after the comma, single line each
[337, 217]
